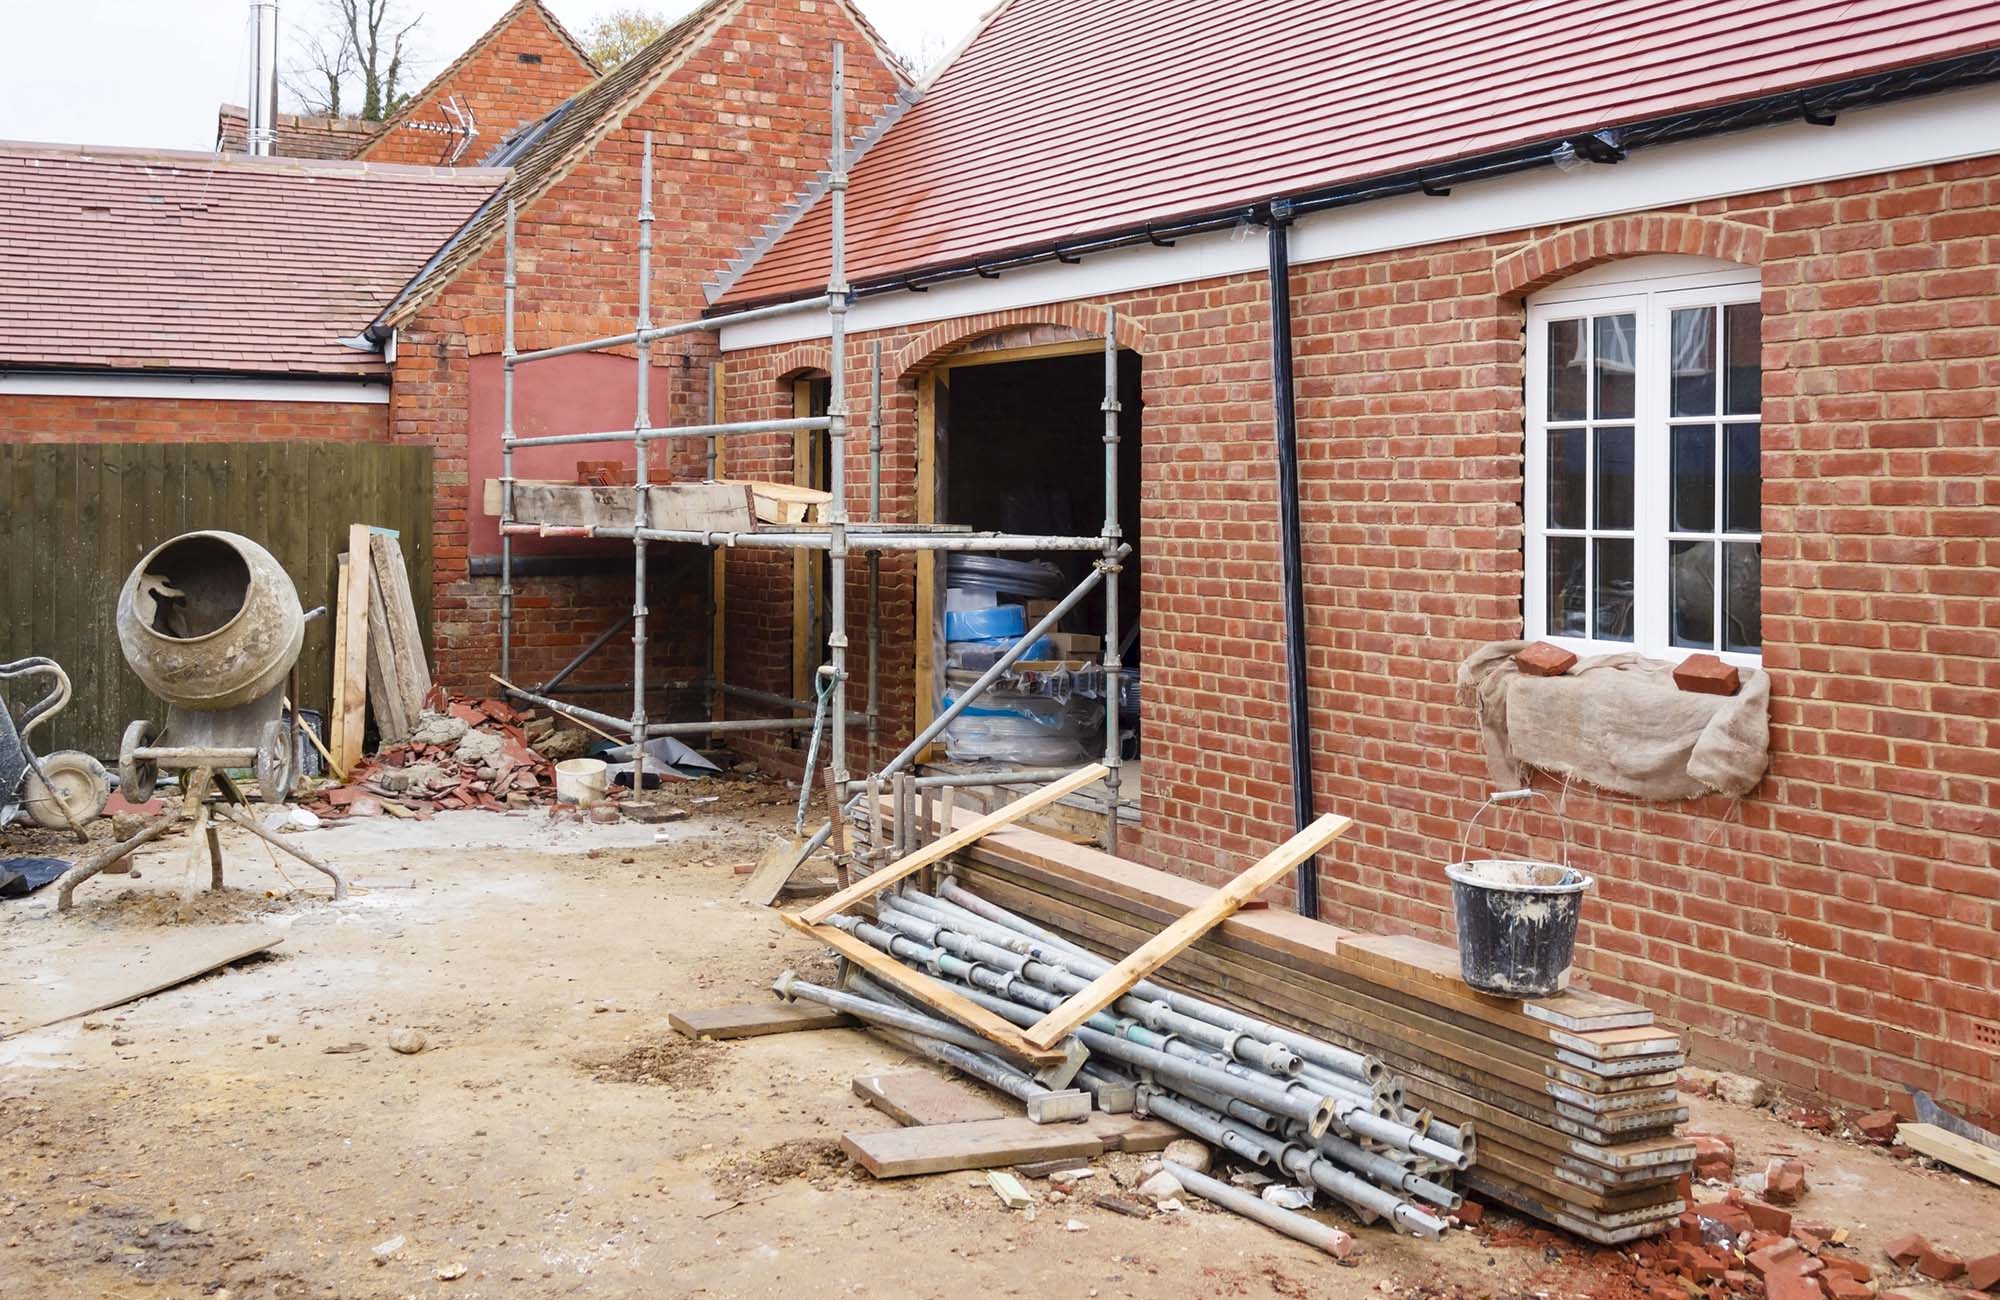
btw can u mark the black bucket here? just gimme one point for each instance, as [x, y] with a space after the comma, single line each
[1516, 923]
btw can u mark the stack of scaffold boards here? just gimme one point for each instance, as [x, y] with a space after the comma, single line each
[1572, 1096]
[1360, 1066]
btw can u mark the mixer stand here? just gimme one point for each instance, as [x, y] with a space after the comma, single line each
[209, 793]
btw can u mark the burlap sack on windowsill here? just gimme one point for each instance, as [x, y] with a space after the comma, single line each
[1619, 722]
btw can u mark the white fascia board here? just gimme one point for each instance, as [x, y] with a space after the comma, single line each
[46, 383]
[1915, 133]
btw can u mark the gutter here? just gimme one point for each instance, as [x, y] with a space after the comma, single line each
[1819, 105]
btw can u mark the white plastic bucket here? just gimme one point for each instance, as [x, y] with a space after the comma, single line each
[582, 781]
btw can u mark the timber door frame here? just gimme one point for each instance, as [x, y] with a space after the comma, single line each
[930, 565]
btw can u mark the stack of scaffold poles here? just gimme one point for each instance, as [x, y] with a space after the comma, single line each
[1573, 1096]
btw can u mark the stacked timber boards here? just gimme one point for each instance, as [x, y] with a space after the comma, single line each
[1572, 1097]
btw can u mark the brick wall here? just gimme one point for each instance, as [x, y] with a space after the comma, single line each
[1839, 930]
[739, 130]
[30, 418]
[513, 75]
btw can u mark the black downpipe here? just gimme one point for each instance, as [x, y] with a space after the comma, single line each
[1286, 408]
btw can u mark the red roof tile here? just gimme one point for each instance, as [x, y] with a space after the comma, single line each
[1069, 118]
[114, 258]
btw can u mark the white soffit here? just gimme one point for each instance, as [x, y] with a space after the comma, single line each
[47, 383]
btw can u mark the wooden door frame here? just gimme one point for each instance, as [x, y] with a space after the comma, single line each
[928, 570]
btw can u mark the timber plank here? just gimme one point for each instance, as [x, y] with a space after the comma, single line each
[940, 849]
[932, 993]
[1176, 938]
[976, 1144]
[1962, 1154]
[919, 1097]
[755, 1019]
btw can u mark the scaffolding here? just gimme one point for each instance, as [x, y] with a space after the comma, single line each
[840, 537]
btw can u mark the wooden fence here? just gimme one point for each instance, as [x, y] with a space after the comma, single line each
[77, 517]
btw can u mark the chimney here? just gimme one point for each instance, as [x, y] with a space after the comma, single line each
[264, 79]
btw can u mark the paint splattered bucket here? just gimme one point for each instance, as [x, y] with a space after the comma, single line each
[1516, 916]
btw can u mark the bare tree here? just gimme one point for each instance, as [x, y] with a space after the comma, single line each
[619, 34]
[359, 47]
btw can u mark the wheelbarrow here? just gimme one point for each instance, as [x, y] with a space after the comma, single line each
[59, 791]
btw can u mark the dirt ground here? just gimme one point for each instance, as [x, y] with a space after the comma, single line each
[555, 1139]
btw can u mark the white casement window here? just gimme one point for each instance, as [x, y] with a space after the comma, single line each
[1643, 494]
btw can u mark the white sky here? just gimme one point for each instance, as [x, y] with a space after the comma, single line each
[151, 72]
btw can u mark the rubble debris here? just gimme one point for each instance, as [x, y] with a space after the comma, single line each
[1939, 1264]
[1186, 1151]
[1736, 1089]
[1878, 1126]
[1714, 1156]
[1785, 1181]
[408, 1042]
[1008, 1188]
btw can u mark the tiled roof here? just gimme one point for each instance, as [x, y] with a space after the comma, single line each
[1064, 119]
[130, 259]
[564, 137]
[299, 136]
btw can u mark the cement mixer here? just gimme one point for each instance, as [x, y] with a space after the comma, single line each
[211, 623]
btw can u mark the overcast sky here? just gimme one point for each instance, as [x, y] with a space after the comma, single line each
[151, 72]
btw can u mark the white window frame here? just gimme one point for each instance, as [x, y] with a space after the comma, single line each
[1651, 288]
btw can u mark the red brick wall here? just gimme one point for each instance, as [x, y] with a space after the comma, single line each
[491, 82]
[1839, 930]
[25, 418]
[739, 129]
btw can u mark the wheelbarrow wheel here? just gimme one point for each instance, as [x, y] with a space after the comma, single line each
[137, 776]
[77, 782]
[277, 761]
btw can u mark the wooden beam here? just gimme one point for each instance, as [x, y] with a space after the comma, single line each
[1962, 1154]
[351, 687]
[939, 850]
[1176, 938]
[939, 997]
[756, 1019]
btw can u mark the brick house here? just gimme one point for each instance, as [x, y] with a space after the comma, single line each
[522, 66]
[178, 297]
[734, 97]
[1584, 322]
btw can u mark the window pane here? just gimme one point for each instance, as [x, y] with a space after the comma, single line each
[1742, 596]
[1614, 478]
[1691, 594]
[1614, 588]
[1615, 359]
[1742, 334]
[1693, 361]
[1742, 480]
[1566, 586]
[1566, 448]
[1694, 479]
[1566, 370]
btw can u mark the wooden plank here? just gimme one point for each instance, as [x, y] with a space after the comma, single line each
[977, 1144]
[1176, 938]
[782, 503]
[1130, 1133]
[351, 699]
[917, 1097]
[336, 715]
[937, 996]
[1962, 1154]
[122, 974]
[412, 673]
[755, 1019]
[718, 507]
[385, 692]
[939, 850]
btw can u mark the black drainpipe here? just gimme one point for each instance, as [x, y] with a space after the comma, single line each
[1278, 225]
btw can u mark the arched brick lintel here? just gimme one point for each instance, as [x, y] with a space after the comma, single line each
[941, 340]
[806, 359]
[1578, 248]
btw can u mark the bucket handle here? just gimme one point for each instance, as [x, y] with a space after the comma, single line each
[1515, 796]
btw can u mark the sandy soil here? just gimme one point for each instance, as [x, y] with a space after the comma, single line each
[554, 1139]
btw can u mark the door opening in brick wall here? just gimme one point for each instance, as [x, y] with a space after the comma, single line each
[1019, 448]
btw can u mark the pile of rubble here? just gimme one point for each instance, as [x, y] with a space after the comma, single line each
[467, 754]
[1747, 1246]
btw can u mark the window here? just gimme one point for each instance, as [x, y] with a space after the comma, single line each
[1643, 497]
